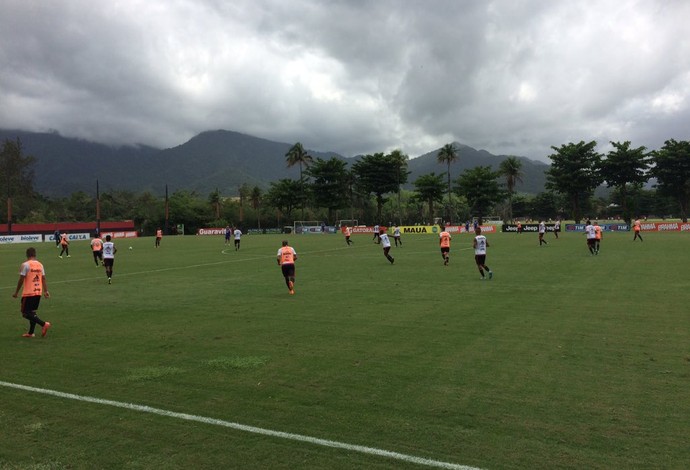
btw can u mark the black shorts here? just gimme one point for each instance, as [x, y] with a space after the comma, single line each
[445, 249]
[108, 261]
[98, 254]
[30, 304]
[288, 269]
[591, 241]
[480, 259]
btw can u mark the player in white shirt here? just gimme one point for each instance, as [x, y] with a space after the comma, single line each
[480, 245]
[109, 251]
[542, 231]
[591, 233]
[386, 245]
[377, 230]
[396, 235]
[238, 235]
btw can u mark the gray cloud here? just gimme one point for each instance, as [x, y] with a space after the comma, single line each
[355, 76]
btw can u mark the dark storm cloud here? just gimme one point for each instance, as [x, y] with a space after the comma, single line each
[350, 76]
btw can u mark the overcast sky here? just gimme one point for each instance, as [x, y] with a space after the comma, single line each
[353, 76]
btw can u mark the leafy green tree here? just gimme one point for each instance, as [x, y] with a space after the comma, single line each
[329, 184]
[400, 161]
[376, 174]
[448, 154]
[215, 200]
[284, 196]
[430, 189]
[625, 169]
[17, 179]
[188, 208]
[245, 192]
[481, 188]
[511, 170]
[574, 173]
[255, 198]
[298, 156]
[672, 171]
[544, 206]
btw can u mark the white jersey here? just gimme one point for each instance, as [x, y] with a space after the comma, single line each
[480, 247]
[591, 232]
[396, 232]
[384, 240]
[238, 234]
[108, 250]
[542, 227]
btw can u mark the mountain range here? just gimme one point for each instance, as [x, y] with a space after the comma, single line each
[220, 159]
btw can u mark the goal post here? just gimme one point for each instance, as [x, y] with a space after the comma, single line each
[347, 223]
[307, 226]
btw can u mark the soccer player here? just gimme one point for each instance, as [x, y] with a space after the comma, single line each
[519, 227]
[591, 237]
[32, 282]
[597, 237]
[376, 234]
[56, 237]
[386, 243]
[396, 235]
[109, 251]
[238, 236]
[348, 234]
[444, 241]
[286, 260]
[159, 237]
[97, 248]
[637, 226]
[480, 245]
[64, 243]
[228, 233]
[542, 231]
[557, 227]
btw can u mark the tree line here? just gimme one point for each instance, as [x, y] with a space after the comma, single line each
[371, 191]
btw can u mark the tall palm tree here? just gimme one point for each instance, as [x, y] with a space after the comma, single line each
[298, 156]
[448, 154]
[511, 169]
[256, 204]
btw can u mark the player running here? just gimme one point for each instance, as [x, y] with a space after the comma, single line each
[348, 234]
[109, 251]
[396, 235]
[637, 227]
[480, 245]
[386, 243]
[97, 248]
[542, 231]
[591, 237]
[597, 236]
[238, 236]
[286, 260]
[159, 237]
[444, 241]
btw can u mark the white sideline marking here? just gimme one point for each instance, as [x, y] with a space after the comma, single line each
[245, 428]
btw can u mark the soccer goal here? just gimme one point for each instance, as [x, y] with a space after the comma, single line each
[307, 226]
[347, 223]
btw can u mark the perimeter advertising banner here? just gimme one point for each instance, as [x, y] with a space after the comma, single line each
[419, 229]
[604, 227]
[645, 227]
[527, 228]
[29, 238]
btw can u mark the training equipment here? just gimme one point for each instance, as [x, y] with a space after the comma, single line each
[307, 226]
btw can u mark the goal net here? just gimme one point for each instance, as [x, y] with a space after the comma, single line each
[308, 226]
[347, 223]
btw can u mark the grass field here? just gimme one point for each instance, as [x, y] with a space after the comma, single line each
[563, 360]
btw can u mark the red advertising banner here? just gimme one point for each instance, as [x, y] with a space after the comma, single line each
[665, 227]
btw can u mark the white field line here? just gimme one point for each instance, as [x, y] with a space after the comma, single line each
[245, 428]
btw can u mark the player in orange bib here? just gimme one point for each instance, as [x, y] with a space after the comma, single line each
[597, 236]
[444, 241]
[159, 237]
[286, 260]
[637, 227]
[97, 248]
[64, 243]
[32, 283]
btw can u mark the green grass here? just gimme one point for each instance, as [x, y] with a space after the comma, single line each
[563, 360]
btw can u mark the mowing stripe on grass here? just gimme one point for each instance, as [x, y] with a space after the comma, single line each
[245, 428]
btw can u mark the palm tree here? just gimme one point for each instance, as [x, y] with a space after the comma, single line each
[215, 199]
[298, 156]
[511, 169]
[448, 154]
[256, 204]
